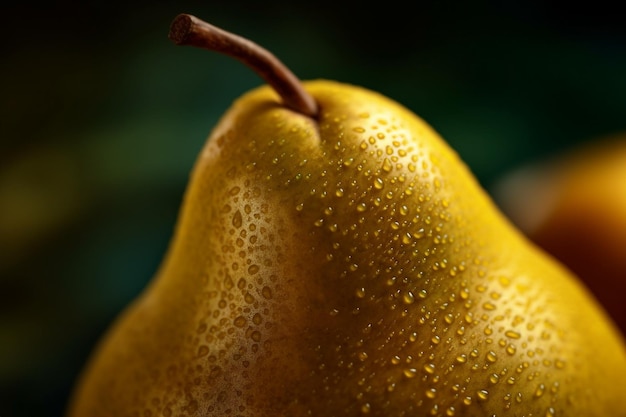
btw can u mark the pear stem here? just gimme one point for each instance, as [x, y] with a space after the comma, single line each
[189, 30]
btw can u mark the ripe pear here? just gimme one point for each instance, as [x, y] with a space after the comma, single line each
[334, 257]
[573, 205]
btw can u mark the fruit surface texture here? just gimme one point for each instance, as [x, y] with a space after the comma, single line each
[350, 265]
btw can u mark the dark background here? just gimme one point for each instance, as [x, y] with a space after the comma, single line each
[102, 119]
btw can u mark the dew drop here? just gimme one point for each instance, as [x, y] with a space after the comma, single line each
[431, 393]
[240, 321]
[387, 166]
[241, 284]
[256, 336]
[379, 183]
[429, 368]
[203, 350]
[512, 334]
[266, 292]
[540, 390]
[408, 298]
[410, 372]
[489, 306]
[237, 219]
[482, 394]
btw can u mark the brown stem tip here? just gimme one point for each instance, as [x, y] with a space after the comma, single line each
[189, 30]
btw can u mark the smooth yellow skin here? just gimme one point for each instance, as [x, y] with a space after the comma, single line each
[582, 218]
[350, 266]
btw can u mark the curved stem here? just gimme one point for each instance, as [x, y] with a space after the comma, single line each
[189, 30]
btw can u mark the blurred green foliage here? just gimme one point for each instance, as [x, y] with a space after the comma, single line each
[102, 119]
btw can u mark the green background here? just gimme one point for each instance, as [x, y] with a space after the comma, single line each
[102, 119]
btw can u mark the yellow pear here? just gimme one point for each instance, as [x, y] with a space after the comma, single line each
[573, 205]
[334, 257]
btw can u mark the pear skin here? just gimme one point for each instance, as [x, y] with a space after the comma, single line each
[344, 263]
